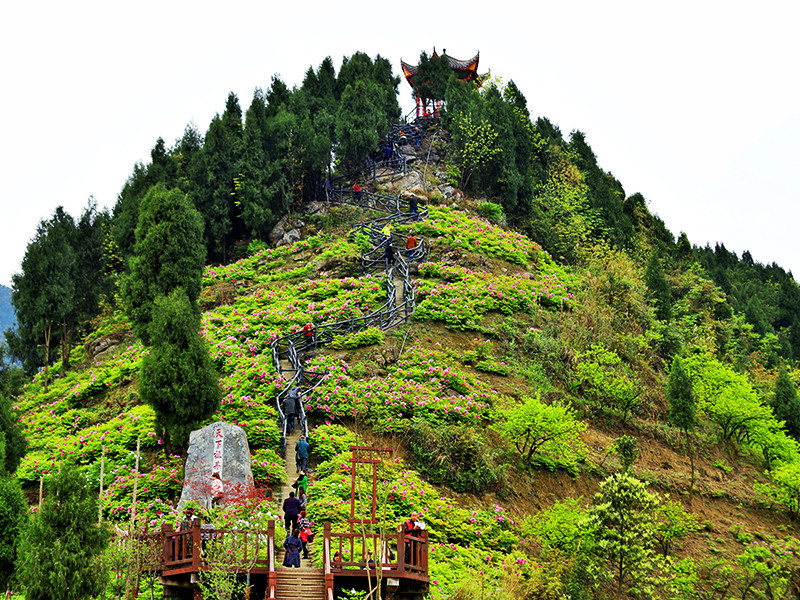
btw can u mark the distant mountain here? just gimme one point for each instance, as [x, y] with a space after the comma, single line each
[7, 316]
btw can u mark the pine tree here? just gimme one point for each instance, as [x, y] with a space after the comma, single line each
[682, 404]
[786, 404]
[14, 439]
[177, 378]
[169, 254]
[60, 553]
[658, 287]
[622, 526]
[13, 518]
[44, 291]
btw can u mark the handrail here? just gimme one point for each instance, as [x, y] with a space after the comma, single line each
[289, 347]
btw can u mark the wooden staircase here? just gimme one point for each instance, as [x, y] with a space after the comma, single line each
[305, 583]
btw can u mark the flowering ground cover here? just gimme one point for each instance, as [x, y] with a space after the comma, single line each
[461, 297]
[423, 384]
[460, 230]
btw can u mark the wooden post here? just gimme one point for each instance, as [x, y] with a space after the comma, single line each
[424, 551]
[196, 545]
[100, 497]
[401, 549]
[166, 537]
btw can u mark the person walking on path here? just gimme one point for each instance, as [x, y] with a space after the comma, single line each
[301, 483]
[386, 232]
[301, 449]
[389, 254]
[411, 245]
[291, 512]
[412, 206]
[293, 546]
[305, 532]
[303, 497]
[358, 193]
[290, 407]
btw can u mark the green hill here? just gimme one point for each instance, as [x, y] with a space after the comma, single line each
[7, 317]
[526, 399]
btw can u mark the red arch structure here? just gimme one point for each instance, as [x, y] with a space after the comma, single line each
[465, 70]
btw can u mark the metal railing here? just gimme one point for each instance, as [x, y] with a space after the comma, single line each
[291, 347]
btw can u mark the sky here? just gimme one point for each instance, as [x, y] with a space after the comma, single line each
[696, 105]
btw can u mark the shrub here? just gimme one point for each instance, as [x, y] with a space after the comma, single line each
[493, 212]
[367, 337]
[533, 427]
[455, 456]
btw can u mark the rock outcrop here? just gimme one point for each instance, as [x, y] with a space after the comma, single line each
[217, 448]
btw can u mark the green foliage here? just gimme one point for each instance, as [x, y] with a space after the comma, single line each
[681, 397]
[537, 428]
[786, 404]
[367, 337]
[461, 297]
[177, 379]
[474, 145]
[60, 554]
[621, 524]
[562, 220]
[168, 255]
[14, 440]
[13, 521]
[458, 230]
[493, 212]
[786, 488]
[672, 522]
[607, 381]
[455, 455]
[558, 528]
[728, 399]
[658, 287]
[626, 448]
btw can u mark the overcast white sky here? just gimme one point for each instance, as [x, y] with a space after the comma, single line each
[694, 104]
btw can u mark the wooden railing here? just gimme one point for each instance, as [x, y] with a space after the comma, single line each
[359, 546]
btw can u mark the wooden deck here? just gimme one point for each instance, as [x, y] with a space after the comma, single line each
[183, 559]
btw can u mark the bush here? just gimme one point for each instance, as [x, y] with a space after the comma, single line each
[493, 212]
[367, 337]
[455, 456]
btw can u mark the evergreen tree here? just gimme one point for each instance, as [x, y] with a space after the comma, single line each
[43, 293]
[681, 397]
[15, 442]
[622, 526]
[60, 553]
[786, 404]
[682, 405]
[169, 254]
[13, 519]
[252, 192]
[658, 287]
[357, 123]
[177, 378]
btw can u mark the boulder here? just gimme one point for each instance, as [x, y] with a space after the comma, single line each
[217, 448]
[277, 232]
[292, 236]
[407, 181]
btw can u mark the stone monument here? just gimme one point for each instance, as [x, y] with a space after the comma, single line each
[217, 448]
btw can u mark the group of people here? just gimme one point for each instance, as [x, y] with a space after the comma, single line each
[298, 525]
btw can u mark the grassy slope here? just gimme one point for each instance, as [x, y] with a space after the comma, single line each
[486, 284]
